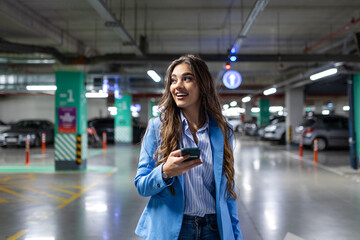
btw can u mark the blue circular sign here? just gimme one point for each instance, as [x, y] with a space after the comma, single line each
[232, 79]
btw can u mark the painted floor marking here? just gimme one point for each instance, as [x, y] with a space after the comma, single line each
[17, 235]
[43, 193]
[17, 194]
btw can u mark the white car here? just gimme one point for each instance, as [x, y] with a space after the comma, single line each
[276, 130]
[236, 123]
[3, 126]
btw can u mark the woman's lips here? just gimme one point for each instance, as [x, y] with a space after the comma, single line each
[181, 96]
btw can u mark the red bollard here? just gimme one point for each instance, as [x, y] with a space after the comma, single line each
[315, 150]
[27, 150]
[104, 141]
[301, 146]
[43, 142]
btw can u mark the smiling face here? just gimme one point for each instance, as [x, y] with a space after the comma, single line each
[184, 88]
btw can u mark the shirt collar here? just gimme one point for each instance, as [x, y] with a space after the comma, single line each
[186, 124]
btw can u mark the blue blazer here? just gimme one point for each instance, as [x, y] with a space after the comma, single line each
[163, 215]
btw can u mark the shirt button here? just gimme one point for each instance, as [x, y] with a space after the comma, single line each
[158, 185]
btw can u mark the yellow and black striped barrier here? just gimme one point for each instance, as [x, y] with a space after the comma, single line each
[78, 149]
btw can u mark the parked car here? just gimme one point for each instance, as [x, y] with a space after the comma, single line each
[250, 128]
[330, 131]
[276, 130]
[97, 126]
[236, 123]
[17, 134]
[3, 126]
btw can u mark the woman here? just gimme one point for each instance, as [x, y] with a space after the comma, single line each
[192, 199]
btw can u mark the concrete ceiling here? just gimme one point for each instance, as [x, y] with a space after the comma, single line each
[286, 38]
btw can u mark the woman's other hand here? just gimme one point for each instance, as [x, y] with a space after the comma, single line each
[177, 165]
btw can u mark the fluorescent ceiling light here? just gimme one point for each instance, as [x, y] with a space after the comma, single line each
[323, 74]
[246, 99]
[111, 109]
[269, 91]
[41, 88]
[154, 75]
[255, 109]
[346, 108]
[233, 103]
[96, 95]
[325, 112]
[276, 108]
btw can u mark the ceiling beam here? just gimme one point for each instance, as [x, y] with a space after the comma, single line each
[9, 47]
[38, 24]
[221, 58]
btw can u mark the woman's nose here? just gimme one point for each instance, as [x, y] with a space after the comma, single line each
[179, 84]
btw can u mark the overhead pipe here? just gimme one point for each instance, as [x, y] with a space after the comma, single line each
[111, 21]
[344, 28]
[255, 12]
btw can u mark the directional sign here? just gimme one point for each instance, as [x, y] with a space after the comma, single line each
[232, 79]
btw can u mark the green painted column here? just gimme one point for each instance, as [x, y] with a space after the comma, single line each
[264, 114]
[123, 120]
[151, 112]
[70, 121]
[356, 107]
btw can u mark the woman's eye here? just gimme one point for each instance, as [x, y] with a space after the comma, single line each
[172, 81]
[187, 78]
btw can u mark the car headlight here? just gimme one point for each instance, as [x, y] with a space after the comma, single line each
[271, 128]
[22, 137]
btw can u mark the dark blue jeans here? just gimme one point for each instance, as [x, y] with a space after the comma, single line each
[199, 228]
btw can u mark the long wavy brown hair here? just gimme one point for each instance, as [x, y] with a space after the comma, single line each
[171, 129]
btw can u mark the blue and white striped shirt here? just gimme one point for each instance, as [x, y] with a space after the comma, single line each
[199, 183]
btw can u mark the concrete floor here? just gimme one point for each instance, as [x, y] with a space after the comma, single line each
[280, 195]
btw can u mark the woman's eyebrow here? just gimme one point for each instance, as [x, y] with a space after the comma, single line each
[184, 74]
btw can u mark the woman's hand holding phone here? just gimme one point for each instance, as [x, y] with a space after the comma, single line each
[177, 165]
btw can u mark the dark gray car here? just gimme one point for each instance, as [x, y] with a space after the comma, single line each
[330, 130]
[17, 134]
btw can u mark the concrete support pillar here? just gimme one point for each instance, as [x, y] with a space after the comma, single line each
[247, 115]
[145, 110]
[70, 121]
[294, 104]
[356, 119]
[318, 106]
[123, 120]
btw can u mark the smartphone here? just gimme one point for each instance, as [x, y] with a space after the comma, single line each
[193, 152]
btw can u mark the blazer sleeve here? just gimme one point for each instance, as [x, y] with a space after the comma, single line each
[233, 209]
[148, 179]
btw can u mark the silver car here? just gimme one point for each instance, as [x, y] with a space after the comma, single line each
[330, 131]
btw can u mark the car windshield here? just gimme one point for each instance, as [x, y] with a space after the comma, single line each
[308, 122]
[27, 124]
[109, 123]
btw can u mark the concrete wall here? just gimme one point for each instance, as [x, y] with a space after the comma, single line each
[15, 108]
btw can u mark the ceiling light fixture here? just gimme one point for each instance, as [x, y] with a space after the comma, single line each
[269, 91]
[41, 88]
[323, 74]
[233, 58]
[96, 95]
[246, 99]
[154, 75]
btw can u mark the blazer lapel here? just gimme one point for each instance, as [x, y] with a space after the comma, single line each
[217, 147]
